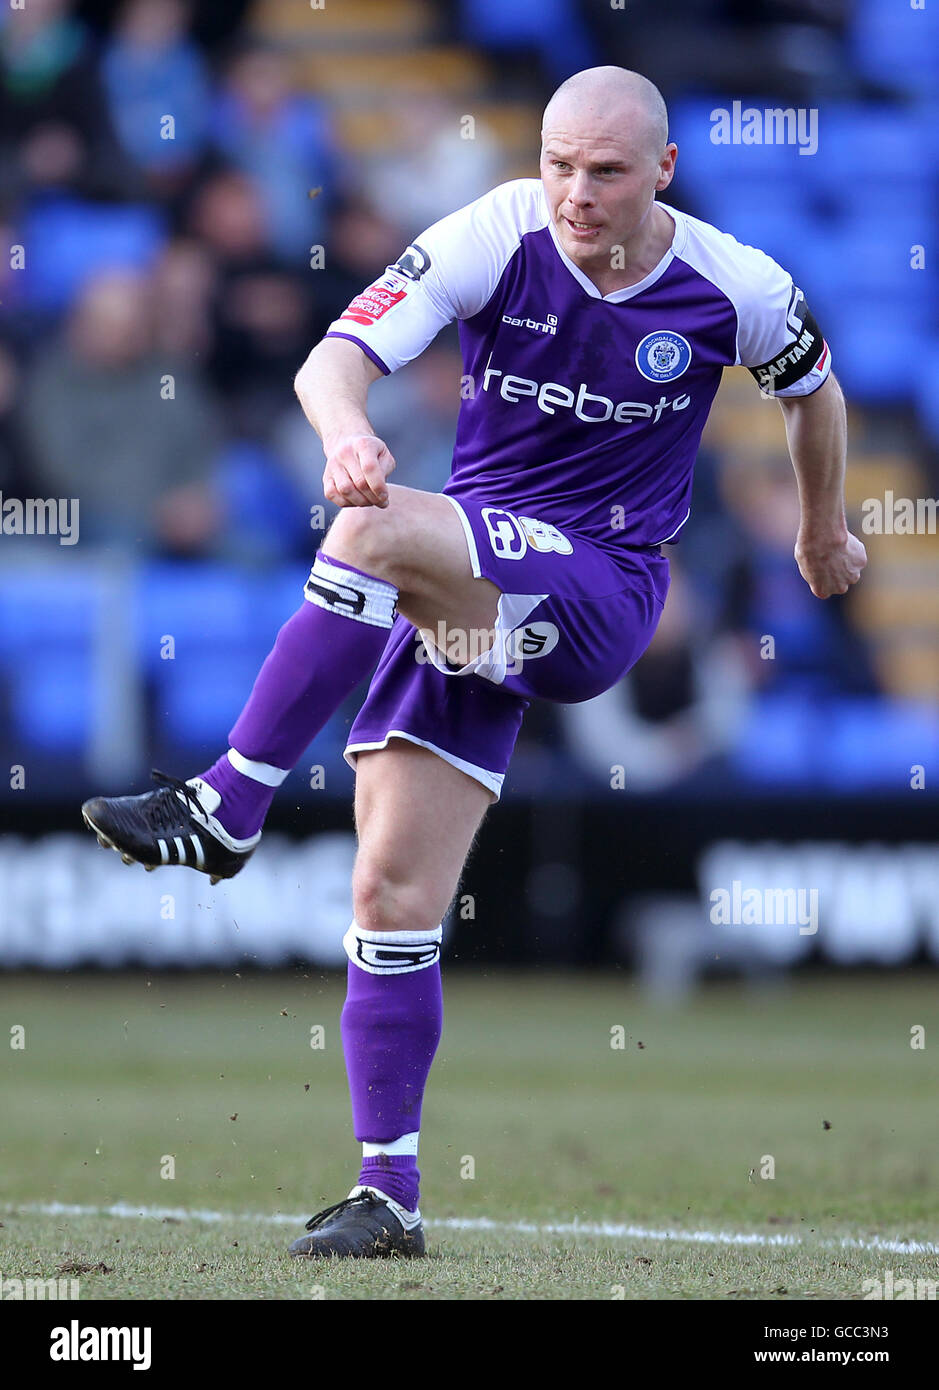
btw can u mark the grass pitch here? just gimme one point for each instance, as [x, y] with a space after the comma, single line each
[595, 1163]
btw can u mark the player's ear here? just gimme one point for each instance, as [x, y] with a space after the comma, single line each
[667, 167]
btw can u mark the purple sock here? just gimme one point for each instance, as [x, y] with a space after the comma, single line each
[320, 656]
[397, 1175]
[245, 801]
[391, 1025]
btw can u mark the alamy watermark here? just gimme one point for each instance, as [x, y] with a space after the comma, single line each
[898, 516]
[757, 907]
[462, 647]
[775, 125]
[891, 1288]
[40, 516]
[77, 1343]
[38, 1290]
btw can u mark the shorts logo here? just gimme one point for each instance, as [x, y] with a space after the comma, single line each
[505, 534]
[535, 639]
[663, 356]
[545, 537]
[510, 535]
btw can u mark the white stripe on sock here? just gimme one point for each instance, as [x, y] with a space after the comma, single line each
[265, 773]
[408, 1219]
[407, 1144]
[361, 597]
[392, 952]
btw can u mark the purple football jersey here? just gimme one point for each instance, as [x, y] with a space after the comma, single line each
[585, 410]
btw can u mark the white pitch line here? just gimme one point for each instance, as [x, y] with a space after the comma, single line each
[604, 1229]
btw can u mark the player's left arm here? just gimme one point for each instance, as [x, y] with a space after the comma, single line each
[785, 351]
[829, 557]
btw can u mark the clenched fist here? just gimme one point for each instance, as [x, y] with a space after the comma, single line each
[830, 566]
[356, 468]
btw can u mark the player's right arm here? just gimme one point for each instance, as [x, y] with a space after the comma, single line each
[450, 273]
[332, 386]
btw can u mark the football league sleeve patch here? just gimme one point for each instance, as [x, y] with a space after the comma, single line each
[395, 317]
[450, 272]
[389, 289]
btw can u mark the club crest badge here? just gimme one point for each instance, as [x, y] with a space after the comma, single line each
[663, 356]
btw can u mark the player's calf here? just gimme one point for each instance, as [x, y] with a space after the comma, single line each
[213, 822]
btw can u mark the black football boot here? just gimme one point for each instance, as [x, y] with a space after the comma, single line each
[172, 825]
[366, 1225]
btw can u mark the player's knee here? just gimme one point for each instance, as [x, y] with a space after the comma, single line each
[383, 903]
[364, 537]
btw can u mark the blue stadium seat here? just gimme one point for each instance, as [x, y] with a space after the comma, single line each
[924, 117]
[205, 608]
[555, 27]
[198, 699]
[842, 743]
[863, 142]
[198, 696]
[702, 159]
[46, 607]
[927, 397]
[896, 44]
[757, 216]
[874, 260]
[223, 622]
[878, 348]
[264, 509]
[52, 701]
[283, 592]
[873, 200]
[777, 742]
[877, 742]
[70, 241]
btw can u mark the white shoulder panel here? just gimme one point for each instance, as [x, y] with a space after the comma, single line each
[449, 272]
[769, 308]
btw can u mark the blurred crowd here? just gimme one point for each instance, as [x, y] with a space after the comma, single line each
[185, 223]
[196, 257]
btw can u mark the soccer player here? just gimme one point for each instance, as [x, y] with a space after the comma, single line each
[595, 323]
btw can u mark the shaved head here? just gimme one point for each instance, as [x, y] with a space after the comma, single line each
[610, 101]
[605, 153]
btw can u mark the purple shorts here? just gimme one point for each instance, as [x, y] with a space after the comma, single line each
[572, 621]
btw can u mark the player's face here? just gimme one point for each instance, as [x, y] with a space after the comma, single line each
[600, 189]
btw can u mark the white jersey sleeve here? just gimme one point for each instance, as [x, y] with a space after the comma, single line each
[777, 336]
[450, 272]
[778, 339]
